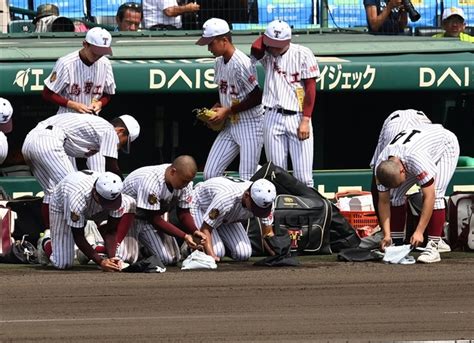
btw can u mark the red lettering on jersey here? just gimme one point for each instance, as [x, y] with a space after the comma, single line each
[313, 68]
[422, 175]
[97, 90]
[233, 91]
[75, 89]
[276, 68]
[252, 78]
[295, 77]
[88, 87]
[223, 86]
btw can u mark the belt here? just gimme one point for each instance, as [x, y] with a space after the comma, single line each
[159, 27]
[49, 127]
[282, 111]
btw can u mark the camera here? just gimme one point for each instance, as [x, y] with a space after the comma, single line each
[412, 12]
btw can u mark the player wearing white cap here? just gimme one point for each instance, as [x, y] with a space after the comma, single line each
[48, 146]
[426, 155]
[83, 81]
[239, 104]
[393, 124]
[157, 190]
[6, 126]
[221, 203]
[288, 97]
[454, 24]
[81, 196]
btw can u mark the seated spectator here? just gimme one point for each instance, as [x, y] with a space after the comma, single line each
[165, 14]
[129, 16]
[385, 17]
[454, 25]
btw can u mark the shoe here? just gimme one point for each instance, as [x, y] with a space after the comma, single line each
[42, 257]
[430, 254]
[443, 246]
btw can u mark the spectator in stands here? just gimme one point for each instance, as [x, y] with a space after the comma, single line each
[129, 16]
[165, 14]
[454, 24]
[385, 18]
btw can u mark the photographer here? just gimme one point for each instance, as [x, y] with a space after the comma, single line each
[386, 18]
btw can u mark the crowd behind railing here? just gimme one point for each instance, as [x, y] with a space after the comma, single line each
[80, 15]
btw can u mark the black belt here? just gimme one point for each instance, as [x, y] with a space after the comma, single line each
[159, 27]
[49, 127]
[282, 111]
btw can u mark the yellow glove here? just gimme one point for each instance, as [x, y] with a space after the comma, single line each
[204, 114]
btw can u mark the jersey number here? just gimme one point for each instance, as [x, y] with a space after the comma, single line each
[403, 134]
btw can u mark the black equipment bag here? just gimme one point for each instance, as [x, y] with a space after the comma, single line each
[29, 221]
[341, 234]
[306, 220]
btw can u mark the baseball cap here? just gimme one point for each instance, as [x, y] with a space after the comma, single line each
[453, 11]
[100, 41]
[211, 29]
[277, 34]
[6, 112]
[109, 186]
[262, 193]
[133, 129]
[45, 10]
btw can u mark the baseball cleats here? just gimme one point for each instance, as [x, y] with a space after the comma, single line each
[430, 254]
[42, 257]
[442, 246]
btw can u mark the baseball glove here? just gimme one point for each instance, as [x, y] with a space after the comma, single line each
[204, 114]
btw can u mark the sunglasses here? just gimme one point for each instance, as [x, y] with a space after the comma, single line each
[130, 5]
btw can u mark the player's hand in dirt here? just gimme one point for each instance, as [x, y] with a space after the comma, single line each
[110, 265]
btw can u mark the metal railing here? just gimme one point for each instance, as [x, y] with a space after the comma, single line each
[249, 14]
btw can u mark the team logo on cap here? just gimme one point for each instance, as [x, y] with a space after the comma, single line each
[214, 213]
[74, 217]
[53, 77]
[152, 199]
[276, 33]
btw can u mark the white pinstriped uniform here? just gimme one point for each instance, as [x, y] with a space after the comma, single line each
[396, 122]
[218, 202]
[74, 80]
[71, 206]
[3, 147]
[283, 75]
[153, 13]
[49, 145]
[427, 151]
[147, 186]
[235, 80]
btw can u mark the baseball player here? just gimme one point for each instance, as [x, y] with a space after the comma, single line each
[156, 190]
[81, 196]
[6, 126]
[83, 81]
[288, 97]
[426, 155]
[48, 146]
[221, 203]
[393, 124]
[239, 104]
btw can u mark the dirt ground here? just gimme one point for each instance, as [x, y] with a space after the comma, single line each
[322, 300]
